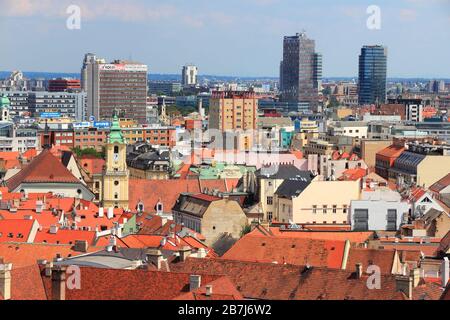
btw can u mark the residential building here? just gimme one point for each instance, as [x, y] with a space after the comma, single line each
[370, 148]
[233, 111]
[211, 216]
[372, 75]
[353, 129]
[378, 209]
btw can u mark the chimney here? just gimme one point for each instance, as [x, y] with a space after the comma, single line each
[209, 290]
[39, 206]
[415, 274]
[53, 229]
[101, 212]
[405, 285]
[359, 270]
[155, 257]
[48, 268]
[110, 213]
[81, 246]
[185, 252]
[5, 280]
[195, 282]
[59, 283]
[445, 272]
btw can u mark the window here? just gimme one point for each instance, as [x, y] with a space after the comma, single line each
[391, 220]
[314, 209]
[335, 209]
[116, 149]
[269, 216]
[361, 220]
[345, 208]
[116, 183]
[270, 200]
[325, 209]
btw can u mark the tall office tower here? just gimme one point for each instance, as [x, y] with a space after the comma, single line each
[372, 75]
[89, 59]
[119, 86]
[189, 75]
[233, 111]
[300, 72]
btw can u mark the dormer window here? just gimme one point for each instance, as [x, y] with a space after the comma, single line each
[159, 207]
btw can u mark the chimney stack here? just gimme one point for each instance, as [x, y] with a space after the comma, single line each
[185, 252]
[110, 213]
[101, 212]
[445, 272]
[209, 290]
[359, 270]
[405, 284]
[155, 257]
[81, 246]
[415, 274]
[59, 283]
[195, 282]
[48, 268]
[5, 280]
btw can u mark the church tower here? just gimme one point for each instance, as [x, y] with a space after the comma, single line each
[115, 174]
[4, 108]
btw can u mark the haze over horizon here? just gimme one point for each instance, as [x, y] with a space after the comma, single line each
[223, 38]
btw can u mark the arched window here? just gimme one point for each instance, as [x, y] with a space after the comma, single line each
[116, 149]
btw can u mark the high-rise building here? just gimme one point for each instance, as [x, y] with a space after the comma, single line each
[372, 75]
[300, 72]
[120, 86]
[189, 75]
[233, 111]
[65, 104]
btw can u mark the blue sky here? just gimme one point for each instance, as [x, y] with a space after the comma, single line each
[232, 37]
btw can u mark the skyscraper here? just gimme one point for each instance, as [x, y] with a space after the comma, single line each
[119, 86]
[372, 75]
[189, 75]
[300, 72]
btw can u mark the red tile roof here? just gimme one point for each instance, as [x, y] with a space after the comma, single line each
[16, 230]
[392, 151]
[64, 236]
[11, 159]
[44, 168]
[355, 237]
[92, 165]
[150, 192]
[270, 281]
[322, 253]
[114, 284]
[353, 174]
[441, 184]
[384, 259]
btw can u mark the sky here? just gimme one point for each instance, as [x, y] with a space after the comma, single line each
[232, 37]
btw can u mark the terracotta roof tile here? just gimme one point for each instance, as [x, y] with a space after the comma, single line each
[43, 168]
[295, 251]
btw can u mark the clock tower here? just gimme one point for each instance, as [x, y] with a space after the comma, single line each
[115, 174]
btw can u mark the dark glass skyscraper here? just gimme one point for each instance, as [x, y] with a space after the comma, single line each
[372, 75]
[300, 72]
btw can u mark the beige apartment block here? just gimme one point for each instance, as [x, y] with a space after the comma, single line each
[322, 202]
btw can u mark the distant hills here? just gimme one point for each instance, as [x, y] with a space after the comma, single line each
[177, 77]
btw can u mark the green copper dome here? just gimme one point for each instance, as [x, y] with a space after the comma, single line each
[115, 134]
[4, 101]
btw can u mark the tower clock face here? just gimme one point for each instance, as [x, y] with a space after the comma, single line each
[116, 157]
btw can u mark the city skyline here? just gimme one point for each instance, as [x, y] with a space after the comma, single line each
[174, 30]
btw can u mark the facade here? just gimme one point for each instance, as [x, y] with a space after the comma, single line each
[320, 202]
[64, 104]
[189, 75]
[372, 75]
[380, 209]
[370, 148]
[63, 85]
[120, 86]
[115, 178]
[233, 111]
[18, 103]
[349, 128]
[300, 72]
[210, 216]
